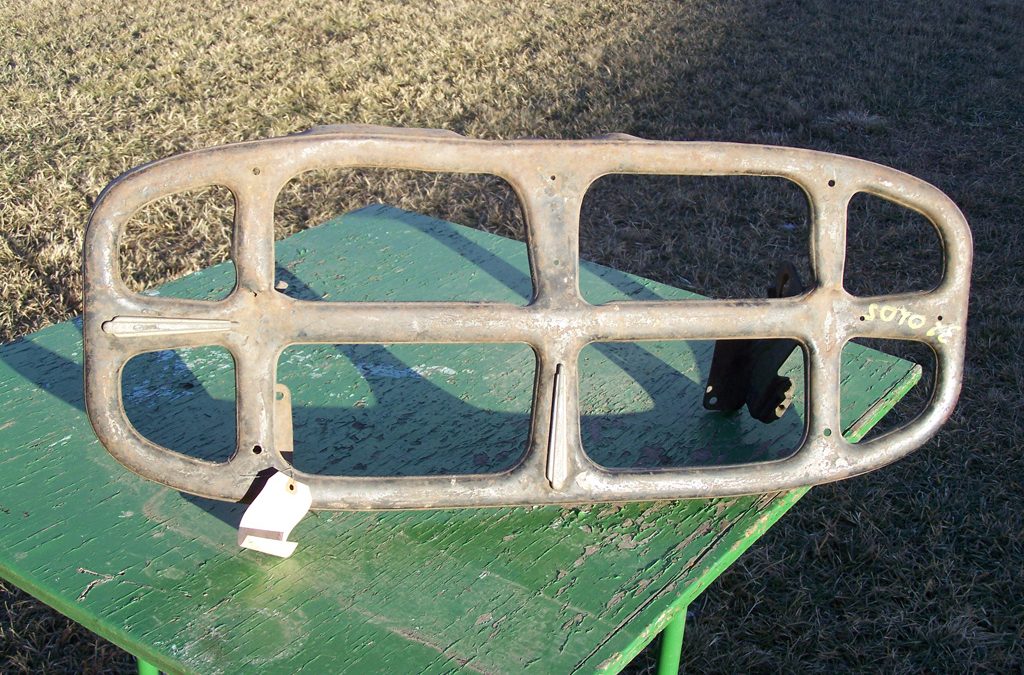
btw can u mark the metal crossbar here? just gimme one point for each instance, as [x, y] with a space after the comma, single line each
[256, 324]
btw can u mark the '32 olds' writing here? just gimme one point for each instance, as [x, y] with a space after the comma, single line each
[903, 316]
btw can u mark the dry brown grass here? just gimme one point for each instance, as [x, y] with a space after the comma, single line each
[916, 567]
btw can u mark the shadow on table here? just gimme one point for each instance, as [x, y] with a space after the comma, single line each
[186, 416]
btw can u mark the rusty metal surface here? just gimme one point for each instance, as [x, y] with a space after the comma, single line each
[255, 323]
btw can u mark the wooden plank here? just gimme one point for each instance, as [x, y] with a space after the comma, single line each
[503, 590]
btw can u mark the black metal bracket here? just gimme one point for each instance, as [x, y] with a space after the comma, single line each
[747, 371]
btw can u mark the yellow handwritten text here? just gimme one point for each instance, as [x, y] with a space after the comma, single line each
[903, 316]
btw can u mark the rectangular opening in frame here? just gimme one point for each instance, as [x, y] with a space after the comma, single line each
[649, 405]
[409, 409]
[898, 376]
[183, 400]
[719, 237]
[401, 236]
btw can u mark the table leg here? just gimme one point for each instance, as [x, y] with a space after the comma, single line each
[146, 668]
[672, 645]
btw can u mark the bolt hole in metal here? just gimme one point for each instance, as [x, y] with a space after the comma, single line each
[257, 449]
[831, 183]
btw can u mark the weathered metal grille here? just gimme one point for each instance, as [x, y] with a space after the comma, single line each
[550, 178]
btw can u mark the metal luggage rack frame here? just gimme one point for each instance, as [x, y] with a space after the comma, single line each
[550, 178]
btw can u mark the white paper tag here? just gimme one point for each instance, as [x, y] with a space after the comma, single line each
[277, 509]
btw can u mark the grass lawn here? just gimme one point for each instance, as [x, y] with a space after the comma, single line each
[913, 567]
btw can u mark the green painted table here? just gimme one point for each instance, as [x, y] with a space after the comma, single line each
[499, 590]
